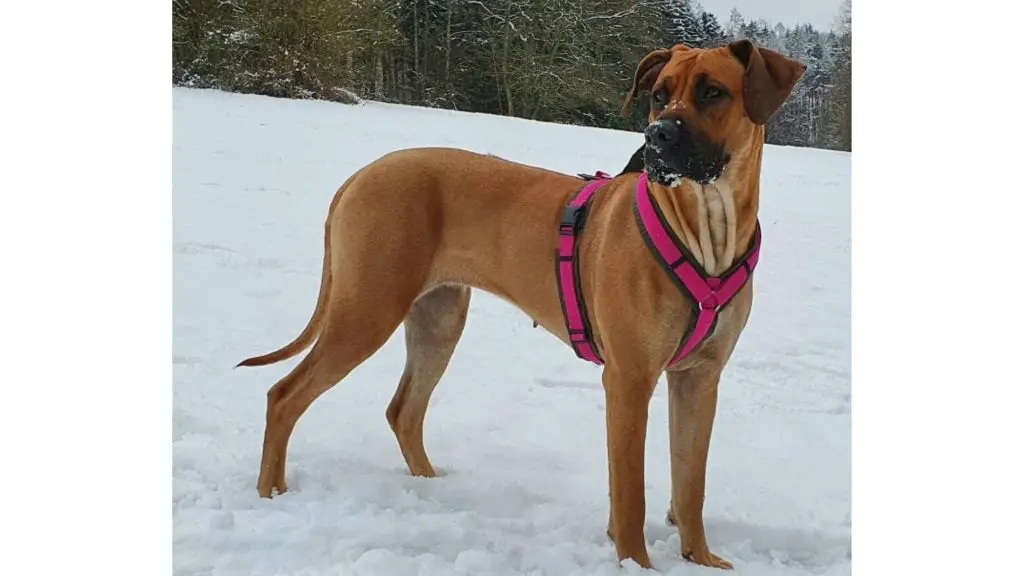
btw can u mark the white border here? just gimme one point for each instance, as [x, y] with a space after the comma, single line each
[85, 249]
[937, 335]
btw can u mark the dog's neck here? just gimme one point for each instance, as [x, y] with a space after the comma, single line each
[715, 221]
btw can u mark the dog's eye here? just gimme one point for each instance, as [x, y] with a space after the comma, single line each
[712, 93]
[660, 97]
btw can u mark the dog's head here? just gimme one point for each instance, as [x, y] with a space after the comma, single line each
[707, 105]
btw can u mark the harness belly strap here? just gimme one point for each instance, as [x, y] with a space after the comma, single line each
[574, 309]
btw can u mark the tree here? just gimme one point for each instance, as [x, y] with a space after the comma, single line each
[839, 109]
[566, 61]
[684, 25]
[734, 29]
[713, 34]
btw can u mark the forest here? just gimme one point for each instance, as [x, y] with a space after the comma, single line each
[567, 61]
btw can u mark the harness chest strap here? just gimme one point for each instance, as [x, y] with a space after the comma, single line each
[707, 294]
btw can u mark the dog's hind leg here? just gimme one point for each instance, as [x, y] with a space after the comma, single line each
[432, 329]
[358, 322]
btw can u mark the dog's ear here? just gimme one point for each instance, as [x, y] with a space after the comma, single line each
[768, 81]
[646, 74]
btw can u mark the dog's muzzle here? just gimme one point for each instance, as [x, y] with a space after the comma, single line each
[675, 152]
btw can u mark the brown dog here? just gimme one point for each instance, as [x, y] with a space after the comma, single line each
[408, 235]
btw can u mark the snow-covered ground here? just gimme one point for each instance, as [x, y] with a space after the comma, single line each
[516, 427]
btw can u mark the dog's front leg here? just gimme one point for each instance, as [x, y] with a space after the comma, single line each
[693, 398]
[627, 396]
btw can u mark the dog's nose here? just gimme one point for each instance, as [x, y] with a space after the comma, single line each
[662, 132]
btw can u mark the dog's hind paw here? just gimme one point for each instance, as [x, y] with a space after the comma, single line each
[706, 558]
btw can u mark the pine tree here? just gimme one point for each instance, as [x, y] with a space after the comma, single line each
[684, 25]
[734, 29]
[713, 34]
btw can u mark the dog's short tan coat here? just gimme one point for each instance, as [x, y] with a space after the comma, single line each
[408, 235]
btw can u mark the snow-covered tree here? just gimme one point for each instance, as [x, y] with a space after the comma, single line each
[713, 33]
[555, 60]
[684, 25]
[734, 28]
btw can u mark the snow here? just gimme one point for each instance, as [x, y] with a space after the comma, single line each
[516, 427]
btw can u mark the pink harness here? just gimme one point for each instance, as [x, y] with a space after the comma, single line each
[707, 294]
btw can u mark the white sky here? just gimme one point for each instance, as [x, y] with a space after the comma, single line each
[820, 13]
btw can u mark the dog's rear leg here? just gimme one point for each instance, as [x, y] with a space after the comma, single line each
[352, 332]
[432, 329]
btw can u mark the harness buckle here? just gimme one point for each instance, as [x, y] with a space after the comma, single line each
[711, 303]
[579, 336]
[573, 218]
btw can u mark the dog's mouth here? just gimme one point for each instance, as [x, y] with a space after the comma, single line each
[671, 169]
[662, 174]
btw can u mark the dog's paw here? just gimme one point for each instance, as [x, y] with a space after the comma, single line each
[706, 558]
[268, 490]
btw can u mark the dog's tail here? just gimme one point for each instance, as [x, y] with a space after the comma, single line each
[316, 322]
[312, 329]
